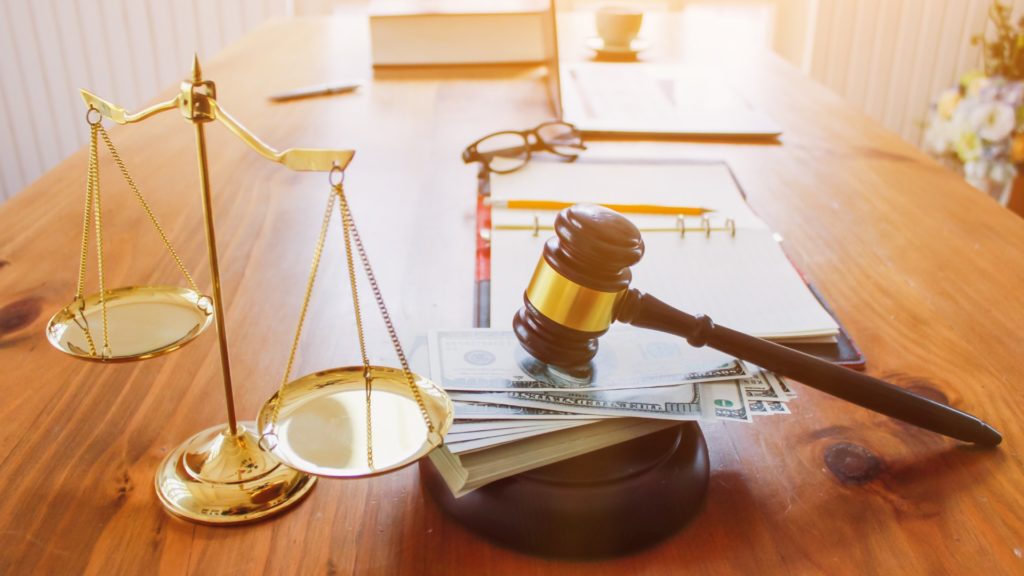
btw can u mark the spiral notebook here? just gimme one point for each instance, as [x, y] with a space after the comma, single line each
[728, 264]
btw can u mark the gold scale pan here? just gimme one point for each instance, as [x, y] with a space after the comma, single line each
[323, 424]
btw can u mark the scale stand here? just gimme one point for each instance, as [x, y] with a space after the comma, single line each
[221, 476]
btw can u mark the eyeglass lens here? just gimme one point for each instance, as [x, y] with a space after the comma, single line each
[562, 138]
[505, 151]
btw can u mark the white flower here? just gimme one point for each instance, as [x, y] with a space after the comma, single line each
[1012, 94]
[967, 145]
[937, 138]
[977, 83]
[993, 121]
[947, 103]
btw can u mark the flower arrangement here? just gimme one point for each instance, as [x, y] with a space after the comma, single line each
[977, 127]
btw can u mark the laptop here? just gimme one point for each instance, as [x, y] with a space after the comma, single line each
[647, 99]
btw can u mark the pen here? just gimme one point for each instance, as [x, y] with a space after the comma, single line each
[318, 90]
[625, 208]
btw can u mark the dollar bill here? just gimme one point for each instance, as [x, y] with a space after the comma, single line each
[454, 435]
[489, 360]
[679, 402]
[475, 410]
[762, 408]
[459, 426]
[465, 445]
[729, 401]
[763, 385]
[786, 389]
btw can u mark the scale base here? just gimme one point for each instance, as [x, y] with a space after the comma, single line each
[222, 479]
[606, 503]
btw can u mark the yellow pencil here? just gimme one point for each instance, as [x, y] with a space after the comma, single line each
[626, 208]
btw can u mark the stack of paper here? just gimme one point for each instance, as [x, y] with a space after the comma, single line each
[643, 98]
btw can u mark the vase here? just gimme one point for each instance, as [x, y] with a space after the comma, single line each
[1016, 200]
[1001, 191]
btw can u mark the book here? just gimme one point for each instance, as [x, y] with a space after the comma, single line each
[447, 32]
[468, 471]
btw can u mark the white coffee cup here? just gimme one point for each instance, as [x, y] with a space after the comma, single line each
[618, 24]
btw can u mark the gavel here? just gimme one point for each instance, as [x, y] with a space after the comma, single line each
[581, 286]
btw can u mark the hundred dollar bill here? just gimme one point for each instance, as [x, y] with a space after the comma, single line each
[679, 402]
[489, 427]
[459, 426]
[762, 408]
[466, 435]
[462, 446]
[474, 410]
[487, 360]
[785, 387]
[729, 401]
[763, 385]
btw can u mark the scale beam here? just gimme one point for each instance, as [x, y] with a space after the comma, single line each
[298, 159]
[119, 114]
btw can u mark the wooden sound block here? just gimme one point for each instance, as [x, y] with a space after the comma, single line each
[606, 503]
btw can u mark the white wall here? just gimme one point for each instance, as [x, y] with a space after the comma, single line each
[124, 50]
[891, 57]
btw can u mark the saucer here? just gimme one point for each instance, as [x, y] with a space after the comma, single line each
[597, 44]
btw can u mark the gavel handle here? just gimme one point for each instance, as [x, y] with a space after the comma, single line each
[646, 311]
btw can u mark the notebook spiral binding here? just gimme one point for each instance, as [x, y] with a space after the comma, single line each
[705, 227]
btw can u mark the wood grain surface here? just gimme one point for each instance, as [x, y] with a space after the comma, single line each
[926, 274]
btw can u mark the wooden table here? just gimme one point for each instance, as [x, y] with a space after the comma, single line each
[926, 273]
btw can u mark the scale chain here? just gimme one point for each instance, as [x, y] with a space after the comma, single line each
[347, 226]
[395, 342]
[305, 306]
[98, 222]
[351, 235]
[92, 217]
[90, 185]
[145, 206]
[87, 216]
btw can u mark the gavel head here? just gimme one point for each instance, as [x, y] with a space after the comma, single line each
[582, 275]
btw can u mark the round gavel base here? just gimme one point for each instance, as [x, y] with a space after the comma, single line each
[606, 503]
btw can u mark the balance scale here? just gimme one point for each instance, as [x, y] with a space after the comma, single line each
[343, 422]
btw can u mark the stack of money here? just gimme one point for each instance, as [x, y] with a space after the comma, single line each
[504, 397]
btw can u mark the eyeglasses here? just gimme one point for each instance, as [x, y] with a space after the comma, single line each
[510, 150]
